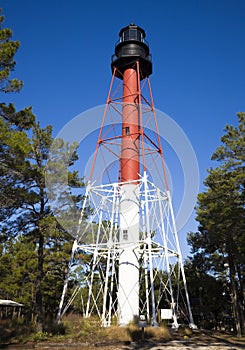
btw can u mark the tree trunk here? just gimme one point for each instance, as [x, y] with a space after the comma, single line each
[39, 294]
[241, 300]
[235, 302]
[39, 299]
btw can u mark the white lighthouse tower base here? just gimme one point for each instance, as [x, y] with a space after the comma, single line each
[128, 271]
[127, 257]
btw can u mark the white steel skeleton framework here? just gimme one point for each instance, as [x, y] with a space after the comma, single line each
[162, 278]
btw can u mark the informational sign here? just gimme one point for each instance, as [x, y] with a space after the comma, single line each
[166, 314]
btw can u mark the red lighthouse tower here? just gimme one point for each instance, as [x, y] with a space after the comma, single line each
[131, 63]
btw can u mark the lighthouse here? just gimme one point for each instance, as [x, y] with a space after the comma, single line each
[126, 253]
[132, 59]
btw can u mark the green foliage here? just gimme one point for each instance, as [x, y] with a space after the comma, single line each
[35, 247]
[211, 299]
[41, 336]
[218, 246]
[14, 149]
[65, 205]
[8, 49]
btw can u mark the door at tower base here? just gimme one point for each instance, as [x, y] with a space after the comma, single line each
[128, 273]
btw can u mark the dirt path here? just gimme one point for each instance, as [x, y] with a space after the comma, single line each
[180, 345]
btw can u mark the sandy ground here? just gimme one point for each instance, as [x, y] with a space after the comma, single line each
[187, 346]
[172, 345]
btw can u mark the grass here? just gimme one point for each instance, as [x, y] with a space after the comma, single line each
[77, 329]
[90, 329]
[14, 330]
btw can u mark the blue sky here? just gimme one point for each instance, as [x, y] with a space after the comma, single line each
[198, 61]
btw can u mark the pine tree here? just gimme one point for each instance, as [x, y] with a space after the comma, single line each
[27, 216]
[8, 49]
[34, 245]
[220, 213]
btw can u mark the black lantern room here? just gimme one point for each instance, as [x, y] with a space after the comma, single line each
[130, 48]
